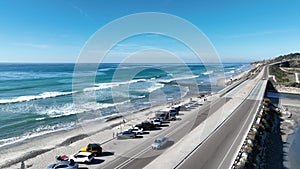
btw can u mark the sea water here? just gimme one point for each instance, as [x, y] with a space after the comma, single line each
[37, 99]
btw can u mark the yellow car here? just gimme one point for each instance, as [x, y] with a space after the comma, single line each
[94, 148]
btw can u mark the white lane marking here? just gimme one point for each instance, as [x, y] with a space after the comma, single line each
[177, 128]
[133, 158]
[149, 148]
[236, 138]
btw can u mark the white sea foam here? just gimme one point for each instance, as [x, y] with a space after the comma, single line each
[208, 72]
[155, 87]
[37, 132]
[178, 78]
[34, 97]
[101, 86]
[40, 119]
[139, 97]
[105, 69]
[70, 109]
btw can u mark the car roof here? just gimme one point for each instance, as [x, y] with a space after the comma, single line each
[161, 138]
[63, 163]
[84, 153]
[93, 145]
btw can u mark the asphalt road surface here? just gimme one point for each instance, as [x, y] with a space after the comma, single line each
[143, 154]
[218, 151]
[215, 152]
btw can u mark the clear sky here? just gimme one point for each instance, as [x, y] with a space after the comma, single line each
[56, 30]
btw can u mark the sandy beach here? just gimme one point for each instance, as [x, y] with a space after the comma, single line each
[35, 151]
[69, 142]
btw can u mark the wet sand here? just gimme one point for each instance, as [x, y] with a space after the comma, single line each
[12, 155]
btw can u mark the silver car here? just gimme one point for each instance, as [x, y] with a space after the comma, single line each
[126, 135]
[64, 165]
[159, 142]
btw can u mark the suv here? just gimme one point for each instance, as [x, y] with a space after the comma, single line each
[146, 125]
[94, 148]
[82, 157]
[174, 112]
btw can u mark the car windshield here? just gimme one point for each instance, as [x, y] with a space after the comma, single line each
[80, 156]
[157, 141]
[62, 166]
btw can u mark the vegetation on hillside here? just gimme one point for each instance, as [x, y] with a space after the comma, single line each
[284, 71]
[286, 57]
[294, 63]
[282, 78]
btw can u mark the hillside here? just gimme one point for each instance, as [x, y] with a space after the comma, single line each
[285, 71]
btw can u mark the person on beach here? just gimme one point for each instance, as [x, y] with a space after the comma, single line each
[22, 165]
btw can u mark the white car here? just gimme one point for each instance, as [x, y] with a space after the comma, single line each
[82, 157]
[136, 130]
[156, 122]
[159, 142]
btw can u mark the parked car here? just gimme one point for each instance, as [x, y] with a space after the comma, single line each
[82, 157]
[174, 112]
[94, 148]
[164, 115]
[136, 130]
[157, 122]
[126, 135]
[159, 142]
[146, 125]
[64, 165]
[173, 118]
[178, 108]
[62, 158]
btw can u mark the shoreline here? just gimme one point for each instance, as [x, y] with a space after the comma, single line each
[64, 138]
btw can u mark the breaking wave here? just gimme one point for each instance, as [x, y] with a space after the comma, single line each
[44, 95]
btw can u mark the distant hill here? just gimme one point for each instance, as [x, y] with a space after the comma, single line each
[291, 56]
[285, 73]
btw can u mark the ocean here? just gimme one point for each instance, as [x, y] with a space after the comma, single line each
[37, 99]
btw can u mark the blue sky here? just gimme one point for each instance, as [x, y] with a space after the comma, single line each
[55, 30]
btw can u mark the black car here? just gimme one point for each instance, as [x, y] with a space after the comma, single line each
[146, 125]
[174, 112]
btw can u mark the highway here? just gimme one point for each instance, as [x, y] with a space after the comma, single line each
[216, 151]
[142, 155]
[219, 150]
[207, 135]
